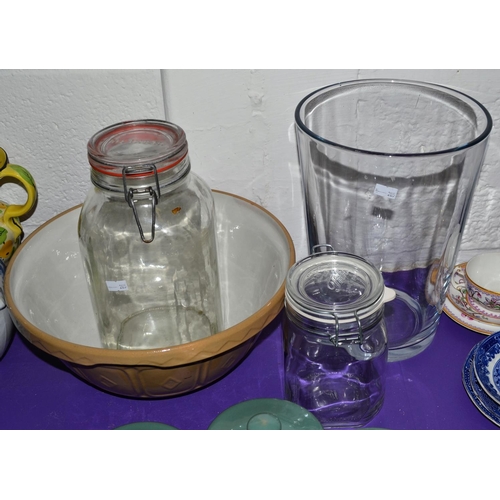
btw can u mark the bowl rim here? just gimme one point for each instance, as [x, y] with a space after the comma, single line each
[182, 354]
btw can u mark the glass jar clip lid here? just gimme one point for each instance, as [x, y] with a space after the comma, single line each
[335, 287]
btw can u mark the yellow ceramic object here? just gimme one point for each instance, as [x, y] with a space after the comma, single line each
[11, 232]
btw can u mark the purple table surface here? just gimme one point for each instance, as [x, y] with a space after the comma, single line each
[424, 392]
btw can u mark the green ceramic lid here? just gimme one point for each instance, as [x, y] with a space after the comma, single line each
[266, 414]
[146, 426]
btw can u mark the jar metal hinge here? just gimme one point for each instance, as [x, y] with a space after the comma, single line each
[134, 195]
[346, 338]
[317, 248]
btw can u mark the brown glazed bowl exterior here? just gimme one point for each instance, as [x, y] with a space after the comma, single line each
[154, 373]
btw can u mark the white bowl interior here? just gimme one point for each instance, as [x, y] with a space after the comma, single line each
[48, 284]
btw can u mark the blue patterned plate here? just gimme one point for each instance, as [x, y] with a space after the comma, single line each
[487, 366]
[481, 401]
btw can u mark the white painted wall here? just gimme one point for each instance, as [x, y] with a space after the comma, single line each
[239, 125]
[47, 117]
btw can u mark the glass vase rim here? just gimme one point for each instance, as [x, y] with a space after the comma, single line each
[481, 137]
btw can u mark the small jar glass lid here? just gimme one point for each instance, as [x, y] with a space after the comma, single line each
[334, 282]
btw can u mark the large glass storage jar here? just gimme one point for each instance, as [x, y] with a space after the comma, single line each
[335, 338]
[147, 238]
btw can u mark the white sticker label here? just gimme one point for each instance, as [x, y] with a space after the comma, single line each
[385, 191]
[117, 286]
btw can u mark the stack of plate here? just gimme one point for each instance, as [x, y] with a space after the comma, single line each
[481, 377]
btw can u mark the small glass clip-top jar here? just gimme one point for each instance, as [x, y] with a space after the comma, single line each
[335, 338]
[148, 241]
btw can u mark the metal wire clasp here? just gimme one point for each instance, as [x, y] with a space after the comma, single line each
[334, 339]
[133, 195]
[317, 248]
[357, 338]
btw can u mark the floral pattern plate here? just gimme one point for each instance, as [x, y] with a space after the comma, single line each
[476, 394]
[487, 366]
[457, 306]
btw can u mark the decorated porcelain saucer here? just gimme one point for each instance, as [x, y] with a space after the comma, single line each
[458, 308]
[481, 401]
[482, 312]
[487, 366]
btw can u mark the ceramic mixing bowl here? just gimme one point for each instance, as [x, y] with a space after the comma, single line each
[48, 297]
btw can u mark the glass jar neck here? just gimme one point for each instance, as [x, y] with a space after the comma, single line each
[317, 324]
[142, 177]
[341, 333]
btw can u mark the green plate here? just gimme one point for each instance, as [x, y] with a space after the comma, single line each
[146, 426]
[266, 414]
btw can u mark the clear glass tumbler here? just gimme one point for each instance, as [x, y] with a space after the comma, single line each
[147, 238]
[389, 168]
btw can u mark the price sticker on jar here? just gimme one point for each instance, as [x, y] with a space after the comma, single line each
[117, 286]
[386, 192]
